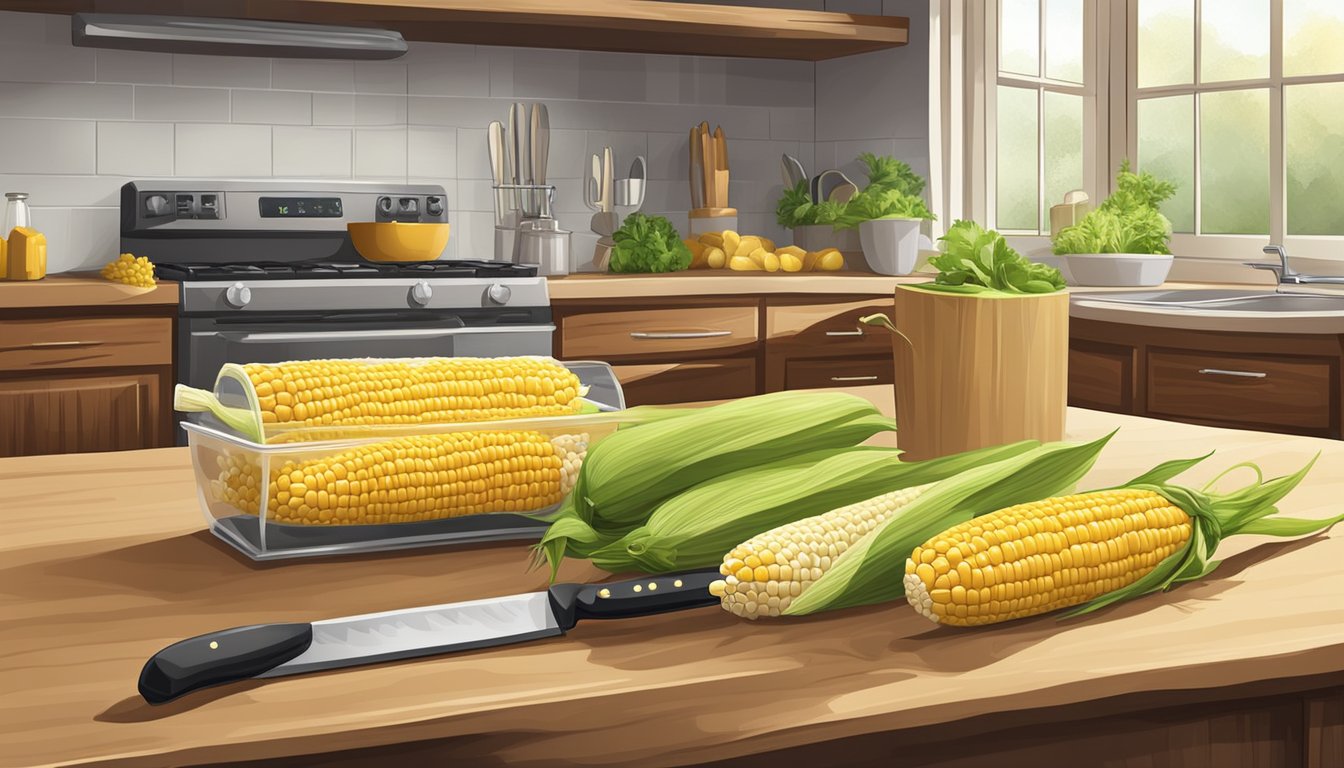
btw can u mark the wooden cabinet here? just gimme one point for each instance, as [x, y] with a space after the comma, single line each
[1271, 382]
[75, 382]
[686, 349]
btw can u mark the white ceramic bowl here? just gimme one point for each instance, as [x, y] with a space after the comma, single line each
[890, 246]
[1137, 270]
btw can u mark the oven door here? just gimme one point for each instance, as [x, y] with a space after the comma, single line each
[209, 348]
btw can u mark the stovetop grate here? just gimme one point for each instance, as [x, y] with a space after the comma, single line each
[328, 269]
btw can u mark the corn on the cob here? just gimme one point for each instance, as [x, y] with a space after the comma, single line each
[1043, 555]
[321, 393]
[765, 573]
[411, 479]
[1088, 550]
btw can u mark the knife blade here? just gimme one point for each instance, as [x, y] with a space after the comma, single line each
[522, 172]
[274, 650]
[495, 140]
[541, 142]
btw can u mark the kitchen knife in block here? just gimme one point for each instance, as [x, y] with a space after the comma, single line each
[273, 650]
[720, 167]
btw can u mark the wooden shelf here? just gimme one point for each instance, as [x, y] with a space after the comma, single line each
[637, 26]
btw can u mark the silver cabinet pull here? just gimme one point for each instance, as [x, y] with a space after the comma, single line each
[1240, 374]
[41, 344]
[853, 378]
[855, 332]
[678, 334]
[390, 334]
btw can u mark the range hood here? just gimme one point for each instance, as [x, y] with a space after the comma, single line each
[233, 37]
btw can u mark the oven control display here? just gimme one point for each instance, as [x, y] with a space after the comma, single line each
[301, 208]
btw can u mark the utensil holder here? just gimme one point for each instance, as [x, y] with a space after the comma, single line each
[514, 202]
[702, 220]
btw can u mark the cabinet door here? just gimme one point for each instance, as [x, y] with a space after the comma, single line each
[838, 372]
[678, 332]
[1257, 391]
[688, 382]
[1101, 376]
[78, 414]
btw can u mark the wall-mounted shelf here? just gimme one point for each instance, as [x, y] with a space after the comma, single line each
[637, 26]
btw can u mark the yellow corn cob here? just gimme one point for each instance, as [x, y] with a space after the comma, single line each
[1042, 556]
[411, 479]
[764, 574]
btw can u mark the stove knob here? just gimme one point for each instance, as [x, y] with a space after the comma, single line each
[421, 293]
[156, 205]
[499, 293]
[237, 295]
[434, 205]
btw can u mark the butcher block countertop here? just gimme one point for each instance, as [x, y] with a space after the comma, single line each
[104, 560]
[84, 290]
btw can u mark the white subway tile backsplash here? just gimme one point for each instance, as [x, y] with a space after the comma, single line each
[473, 153]
[223, 150]
[475, 235]
[380, 77]
[48, 146]
[181, 105]
[499, 64]
[457, 112]
[669, 155]
[380, 153]
[625, 146]
[92, 101]
[446, 70]
[546, 74]
[793, 123]
[333, 109]
[140, 67]
[770, 82]
[431, 152]
[18, 27]
[667, 195]
[704, 80]
[94, 239]
[662, 79]
[48, 62]
[135, 149]
[301, 152]
[221, 71]
[54, 224]
[46, 189]
[474, 195]
[869, 7]
[847, 109]
[612, 76]
[569, 196]
[272, 107]
[753, 196]
[380, 109]
[754, 160]
[313, 75]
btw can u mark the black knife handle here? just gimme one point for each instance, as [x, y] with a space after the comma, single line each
[635, 597]
[221, 657]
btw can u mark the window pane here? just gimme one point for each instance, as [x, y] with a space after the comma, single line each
[1312, 31]
[1167, 150]
[1234, 40]
[1063, 149]
[1314, 134]
[1166, 42]
[1234, 162]
[1018, 200]
[1020, 37]
[1064, 40]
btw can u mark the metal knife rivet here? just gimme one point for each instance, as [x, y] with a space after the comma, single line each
[652, 586]
[677, 583]
[638, 588]
[604, 593]
[214, 645]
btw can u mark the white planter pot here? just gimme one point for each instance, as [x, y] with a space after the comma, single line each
[890, 246]
[819, 237]
[1136, 270]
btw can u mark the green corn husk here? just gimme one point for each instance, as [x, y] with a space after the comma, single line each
[694, 529]
[627, 474]
[872, 571]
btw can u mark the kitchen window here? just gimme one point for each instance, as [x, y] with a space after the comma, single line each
[1241, 103]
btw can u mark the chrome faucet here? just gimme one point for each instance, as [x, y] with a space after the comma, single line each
[1286, 274]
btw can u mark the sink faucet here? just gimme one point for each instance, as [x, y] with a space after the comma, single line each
[1286, 274]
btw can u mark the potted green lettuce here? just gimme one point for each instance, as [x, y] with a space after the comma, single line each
[1125, 241]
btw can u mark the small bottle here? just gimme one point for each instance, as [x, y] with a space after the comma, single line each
[26, 248]
[17, 213]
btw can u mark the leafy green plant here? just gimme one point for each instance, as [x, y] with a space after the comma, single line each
[889, 173]
[794, 208]
[893, 191]
[976, 260]
[648, 244]
[1126, 222]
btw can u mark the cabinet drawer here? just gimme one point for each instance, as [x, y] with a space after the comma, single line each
[79, 414]
[1250, 390]
[848, 372]
[1101, 376]
[687, 382]
[827, 329]
[28, 345]
[644, 332]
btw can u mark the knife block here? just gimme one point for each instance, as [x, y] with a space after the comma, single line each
[702, 220]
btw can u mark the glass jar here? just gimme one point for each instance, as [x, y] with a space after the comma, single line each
[17, 213]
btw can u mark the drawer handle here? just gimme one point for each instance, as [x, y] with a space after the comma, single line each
[41, 344]
[678, 334]
[853, 378]
[1240, 374]
[857, 332]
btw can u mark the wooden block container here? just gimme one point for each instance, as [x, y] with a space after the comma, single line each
[973, 371]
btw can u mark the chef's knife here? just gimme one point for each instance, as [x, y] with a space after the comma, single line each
[541, 142]
[495, 139]
[793, 170]
[273, 650]
[522, 172]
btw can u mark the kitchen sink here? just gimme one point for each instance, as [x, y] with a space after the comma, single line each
[1222, 300]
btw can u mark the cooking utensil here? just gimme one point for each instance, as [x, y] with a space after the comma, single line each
[707, 165]
[813, 188]
[605, 192]
[399, 241]
[829, 181]
[544, 244]
[522, 172]
[628, 195]
[602, 252]
[273, 650]
[697, 184]
[541, 142]
[720, 168]
[793, 170]
[843, 193]
[495, 139]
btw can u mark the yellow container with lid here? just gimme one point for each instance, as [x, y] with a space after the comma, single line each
[26, 254]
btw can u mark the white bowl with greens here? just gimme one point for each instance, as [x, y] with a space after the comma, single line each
[891, 245]
[1125, 241]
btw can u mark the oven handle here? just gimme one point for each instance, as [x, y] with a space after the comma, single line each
[412, 333]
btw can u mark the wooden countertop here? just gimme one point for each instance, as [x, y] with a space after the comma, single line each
[104, 560]
[87, 290]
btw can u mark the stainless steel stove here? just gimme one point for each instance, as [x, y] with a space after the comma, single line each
[268, 274]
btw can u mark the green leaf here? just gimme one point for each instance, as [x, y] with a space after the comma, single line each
[1287, 526]
[1126, 222]
[1165, 471]
[973, 256]
[648, 244]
